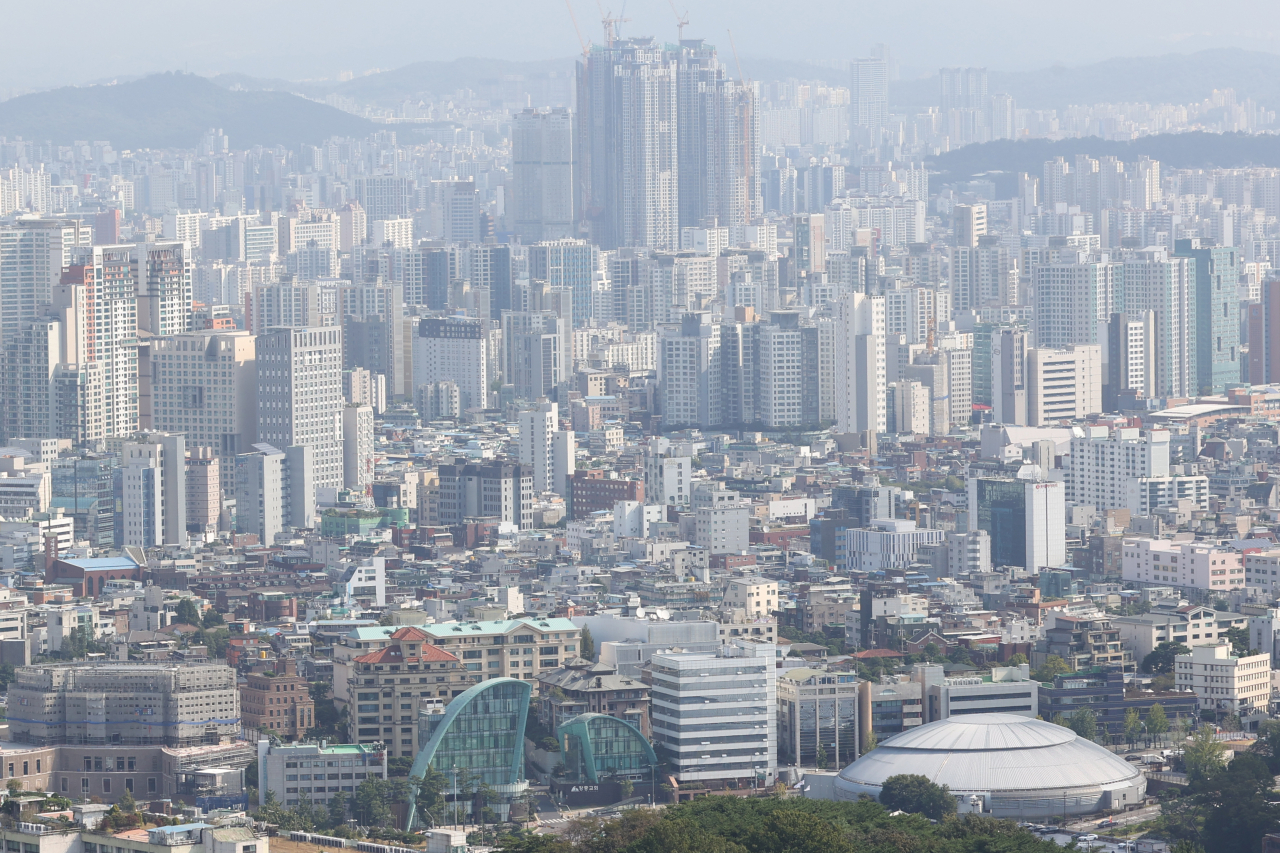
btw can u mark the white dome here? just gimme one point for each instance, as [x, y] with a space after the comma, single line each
[1020, 766]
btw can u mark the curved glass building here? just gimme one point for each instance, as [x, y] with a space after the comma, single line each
[597, 746]
[481, 736]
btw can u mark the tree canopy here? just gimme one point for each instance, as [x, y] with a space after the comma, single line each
[1161, 659]
[916, 794]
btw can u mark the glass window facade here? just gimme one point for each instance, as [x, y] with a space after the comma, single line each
[597, 746]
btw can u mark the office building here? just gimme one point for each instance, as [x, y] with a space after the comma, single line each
[486, 492]
[204, 385]
[274, 489]
[1025, 518]
[721, 529]
[277, 702]
[1165, 286]
[868, 96]
[291, 770]
[817, 717]
[733, 690]
[535, 347]
[567, 265]
[888, 543]
[300, 396]
[204, 493]
[545, 449]
[1074, 299]
[1102, 461]
[1004, 690]
[1224, 682]
[1063, 384]
[542, 170]
[174, 705]
[1199, 566]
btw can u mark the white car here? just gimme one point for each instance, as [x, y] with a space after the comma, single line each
[1088, 836]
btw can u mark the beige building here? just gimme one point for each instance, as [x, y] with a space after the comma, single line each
[177, 705]
[1223, 682]
[1063, 384]
[755, 596]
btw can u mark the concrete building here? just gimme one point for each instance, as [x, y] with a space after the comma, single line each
[861, 377]
[667, 477]
[1200, 566]
[1103, 461]
[542, 166]
[817, 717]
[546, 449]
[722, 529]
[290, 770]
[889, 543]
[1063, 384]
[154, 490]
[162, 274]
[204, 493]
[174, 705]
[1191, 625]
[453, 349]
[205, 385]
[277, 702]
[300, 396]
[1025, 518]
[756, 596]
[1223, 682]
[495, 491]
[357, 447]
[1004, 690]
[733, 691]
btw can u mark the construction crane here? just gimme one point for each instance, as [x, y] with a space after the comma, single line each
[611, 23]
[681, 21]
[581, 41]
[736, 61]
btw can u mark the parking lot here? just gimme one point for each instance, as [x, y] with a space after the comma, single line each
[1100, 844]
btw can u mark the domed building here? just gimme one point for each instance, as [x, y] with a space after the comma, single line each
[1020, 767]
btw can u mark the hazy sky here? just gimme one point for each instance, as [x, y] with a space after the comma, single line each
[320, 38]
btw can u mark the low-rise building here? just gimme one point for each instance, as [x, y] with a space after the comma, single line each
[1191, 566]
[277, 701]
[1191, 625]
[318, 771]
[583, 687]
[1224, 682]
[1003, 690]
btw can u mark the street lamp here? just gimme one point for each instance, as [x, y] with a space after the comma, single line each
[455, 796]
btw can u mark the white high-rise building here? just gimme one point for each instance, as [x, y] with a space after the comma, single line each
[111, 329]
[205, 385]
[357, 446]
[162, 275]
[1009, 376]
[628, 156]
[868, 93]
[33, 253]
[397, 233]
[1063, 384]
[536, 349]
[546, 449]
[1156, 282]
[542, 175]
[732, 693]
[668, 477]
[779, 372]
[861, 380]
[453, 349]
[1103, 461]
[1073, 300]
[154, 490]
[300, 396]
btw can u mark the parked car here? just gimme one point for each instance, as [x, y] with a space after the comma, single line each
[1087, 836]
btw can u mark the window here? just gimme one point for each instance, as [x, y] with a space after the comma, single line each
[106, 786]
[151, 785]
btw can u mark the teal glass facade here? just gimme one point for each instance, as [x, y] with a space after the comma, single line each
[481, 733]
[597, 746]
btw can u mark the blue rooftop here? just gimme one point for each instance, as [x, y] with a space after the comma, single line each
[103, 563]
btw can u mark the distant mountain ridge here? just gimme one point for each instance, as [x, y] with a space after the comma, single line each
[173, 110]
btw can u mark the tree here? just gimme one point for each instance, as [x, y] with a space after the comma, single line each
[371, 807]
[1054, 666]
[337, 809]
[821, 758]
[1203, 755]
[127, 804]
[916, 794]
[1231, 722]
[1157, 722]
[14, 786]
[1059, 720]
[588, 644]
[931, 653]
[7, 675]
[1236, 806]
[1084, 723]
[187, 613]
[871, 743]
[1161, 659]
[399, 766]
[1239, 637]
[1268, 743]
[960, 655]
[211, 619]
[1132, 726]
[1016, 660]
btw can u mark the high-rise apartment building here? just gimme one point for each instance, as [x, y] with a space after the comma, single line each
[453, 349]
[1217, 309]
[300, 396]
[567, 265]
[154, 491]
[860, 368]
[162, 275]
[33, 253]
[868, 93]
[546, 449]
[490, 490]
[628, 150]
[535, 346]
[205, 385]
[1073, 299]
[1165, 286]
[542, 175]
